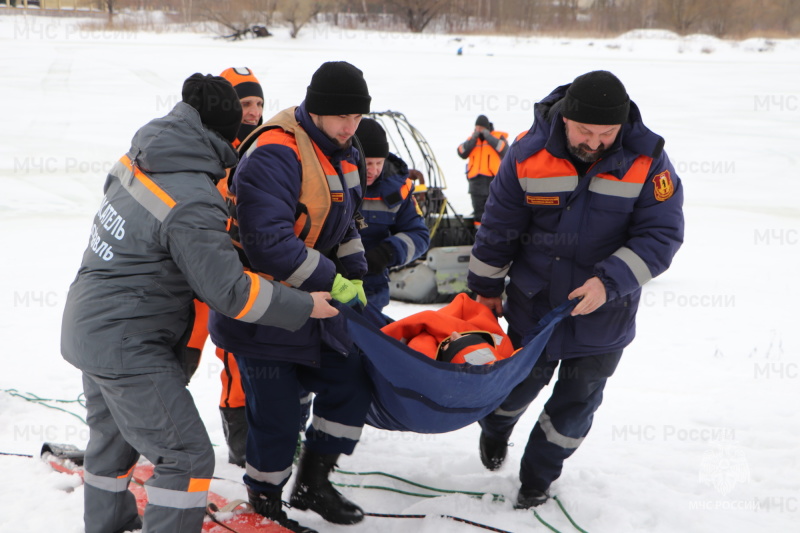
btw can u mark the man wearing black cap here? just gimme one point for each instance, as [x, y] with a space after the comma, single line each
[158, 242]
[297, 189]
[396, 233]
[485, 150]
[586, 206]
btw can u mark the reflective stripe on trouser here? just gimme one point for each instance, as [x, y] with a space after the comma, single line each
[272, 388]
[566, 418]
[154, 414]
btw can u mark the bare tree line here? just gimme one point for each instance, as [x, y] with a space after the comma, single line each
[722, 18]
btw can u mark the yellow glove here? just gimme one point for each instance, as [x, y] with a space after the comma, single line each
[362, 296]
[349, 292]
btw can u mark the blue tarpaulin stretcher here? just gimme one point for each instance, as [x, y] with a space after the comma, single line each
[412, 392]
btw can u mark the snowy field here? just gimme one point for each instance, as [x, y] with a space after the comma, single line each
[699, 430]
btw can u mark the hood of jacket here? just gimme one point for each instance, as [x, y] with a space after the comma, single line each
[178, 142]
[548, 132]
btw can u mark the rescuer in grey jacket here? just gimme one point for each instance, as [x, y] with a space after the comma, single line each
[158, 242]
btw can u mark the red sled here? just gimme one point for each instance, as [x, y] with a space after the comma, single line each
[222, 515]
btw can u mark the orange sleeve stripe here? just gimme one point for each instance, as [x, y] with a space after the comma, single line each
[255, 287]
[147, 182]
[199, 485]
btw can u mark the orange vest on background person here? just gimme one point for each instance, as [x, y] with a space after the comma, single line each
[484, 160]
[426, 331]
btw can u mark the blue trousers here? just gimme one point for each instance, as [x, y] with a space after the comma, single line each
[566, 418]
[272, 388]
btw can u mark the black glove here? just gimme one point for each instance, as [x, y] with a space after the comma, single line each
[378, 258]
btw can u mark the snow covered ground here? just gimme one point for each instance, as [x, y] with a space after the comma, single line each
[699, 430]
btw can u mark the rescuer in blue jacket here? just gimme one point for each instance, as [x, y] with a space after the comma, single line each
[297, 189]
[586, 205]
[396, 233]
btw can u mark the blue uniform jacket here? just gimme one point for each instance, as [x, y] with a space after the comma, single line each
[550, 238]
[392, 219]
[267, 188]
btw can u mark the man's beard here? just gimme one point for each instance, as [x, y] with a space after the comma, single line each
[318, 123]
[347, 144]
[584, 153]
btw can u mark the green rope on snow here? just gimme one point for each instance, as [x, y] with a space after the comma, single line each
[388, 489]
[544, 522]
[571, 521]
[495, 497]
[30, 397]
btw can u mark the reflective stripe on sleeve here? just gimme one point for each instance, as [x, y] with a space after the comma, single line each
[411, 250]
[635, 263]
[304, 271]
[258, 301]
[485, 270]
[350, 247]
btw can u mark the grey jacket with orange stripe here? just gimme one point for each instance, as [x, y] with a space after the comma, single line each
[158, 242]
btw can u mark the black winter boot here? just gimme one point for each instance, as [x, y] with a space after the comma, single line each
[269, 505]
[314, 492]
[530, 497]
[493, 452]
[234, 425]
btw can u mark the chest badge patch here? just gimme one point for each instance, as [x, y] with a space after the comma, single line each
[337, 197]
[542, 200]
[664, 188]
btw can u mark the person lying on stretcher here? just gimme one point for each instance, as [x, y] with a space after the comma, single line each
[463, 331]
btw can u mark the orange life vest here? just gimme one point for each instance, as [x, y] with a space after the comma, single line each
[321, 183]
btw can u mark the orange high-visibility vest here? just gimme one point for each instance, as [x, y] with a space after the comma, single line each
[483, 159]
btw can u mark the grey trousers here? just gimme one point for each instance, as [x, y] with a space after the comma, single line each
[153, 415]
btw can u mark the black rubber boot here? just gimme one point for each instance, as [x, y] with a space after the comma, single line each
[312, 490]
[493, 452]
[269, 505]
[529, 497]
[234, 425]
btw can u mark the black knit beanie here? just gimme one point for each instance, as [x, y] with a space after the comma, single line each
[483, 120]
[373, 138]
[216, 101]
[596, 97]
[338, 88]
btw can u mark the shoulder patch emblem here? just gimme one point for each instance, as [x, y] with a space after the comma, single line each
[663, 186]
